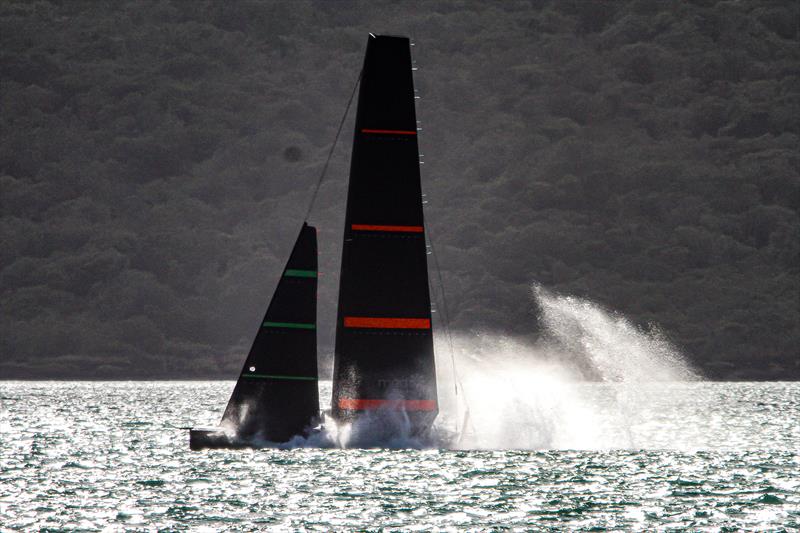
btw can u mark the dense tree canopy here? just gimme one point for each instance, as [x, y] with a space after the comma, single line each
[157, 157]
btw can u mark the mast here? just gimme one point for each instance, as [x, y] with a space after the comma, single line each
[276, 396]
[384, 342]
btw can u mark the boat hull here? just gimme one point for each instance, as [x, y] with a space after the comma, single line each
[202, 438]
[217, 438]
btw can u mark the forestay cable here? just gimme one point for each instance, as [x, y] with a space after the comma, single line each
[333, 146]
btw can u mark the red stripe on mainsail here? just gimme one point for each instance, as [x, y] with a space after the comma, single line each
[389, 132]
[386, 323]
[404, 405]
[373, 227]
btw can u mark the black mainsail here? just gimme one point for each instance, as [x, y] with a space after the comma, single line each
[384, 342]
[276, 396]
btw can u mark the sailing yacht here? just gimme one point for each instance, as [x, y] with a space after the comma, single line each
[384, 358]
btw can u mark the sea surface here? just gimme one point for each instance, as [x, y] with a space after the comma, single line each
[96, 456]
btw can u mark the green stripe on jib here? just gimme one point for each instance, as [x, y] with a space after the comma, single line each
[293, 325]
[268, 376]
[295, 273]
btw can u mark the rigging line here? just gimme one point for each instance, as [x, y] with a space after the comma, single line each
[333, 146]
[437, 295]
[445, 314]
[446, 320]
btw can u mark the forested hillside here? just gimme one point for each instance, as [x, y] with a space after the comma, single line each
[157, 158]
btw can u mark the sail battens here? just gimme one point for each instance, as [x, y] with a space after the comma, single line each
[358, 404]
[383, 325]
[270, 376]
[386, 323]
[292, 325]
[281, 396]
[296, 273]
[375, 227]
[388, 132]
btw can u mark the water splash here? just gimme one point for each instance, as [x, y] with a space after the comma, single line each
[593, 381]
[606, 346]
[387, 429]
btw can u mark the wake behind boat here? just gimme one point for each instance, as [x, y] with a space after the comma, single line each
[384, 375]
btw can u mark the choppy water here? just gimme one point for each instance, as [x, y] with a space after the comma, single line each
[94, 456]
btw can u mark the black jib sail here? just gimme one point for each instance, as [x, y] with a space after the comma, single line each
[276, 396]
[384, 343]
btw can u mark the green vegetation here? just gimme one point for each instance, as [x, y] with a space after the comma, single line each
[157, 157]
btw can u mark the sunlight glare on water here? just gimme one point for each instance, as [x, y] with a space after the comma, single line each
[94, 454]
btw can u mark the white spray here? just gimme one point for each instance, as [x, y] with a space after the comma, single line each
[593, 381]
